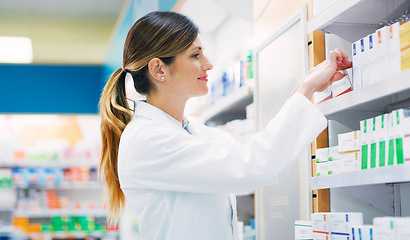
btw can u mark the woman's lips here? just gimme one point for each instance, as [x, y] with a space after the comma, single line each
[204, 78]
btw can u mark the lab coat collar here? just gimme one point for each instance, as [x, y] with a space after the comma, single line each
[147, 110]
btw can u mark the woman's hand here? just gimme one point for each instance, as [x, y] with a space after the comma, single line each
[323, 75]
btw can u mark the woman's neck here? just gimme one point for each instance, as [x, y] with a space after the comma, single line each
[172, 106]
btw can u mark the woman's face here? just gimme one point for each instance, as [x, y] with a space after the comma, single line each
[188, 73]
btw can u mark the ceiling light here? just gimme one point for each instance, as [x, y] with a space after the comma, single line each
[16, 50]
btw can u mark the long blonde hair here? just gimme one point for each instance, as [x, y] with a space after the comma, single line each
[157, 34]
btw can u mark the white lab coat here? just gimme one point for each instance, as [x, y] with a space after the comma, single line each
[179, 183]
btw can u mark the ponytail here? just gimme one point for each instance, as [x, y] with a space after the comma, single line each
[115, 115]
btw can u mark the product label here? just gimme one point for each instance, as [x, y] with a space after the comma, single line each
[370, 41]
[391, 152]
[382, 153]
[399, 150]
[373, 155]
[354, 49]
[362, 45]
[379, 36]
[365, 126]
[364, 156]
[391, 31]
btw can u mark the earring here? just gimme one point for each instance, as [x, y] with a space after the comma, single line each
[162, 78]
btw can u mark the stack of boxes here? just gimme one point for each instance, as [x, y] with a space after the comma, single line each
[381, 141]
[376, 57]
[381, 55]
[334, 226]
[386, 139]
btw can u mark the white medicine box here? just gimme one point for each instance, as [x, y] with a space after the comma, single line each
[341, 223]
[349, 142]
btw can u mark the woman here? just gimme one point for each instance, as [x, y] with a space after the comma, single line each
[178, 175]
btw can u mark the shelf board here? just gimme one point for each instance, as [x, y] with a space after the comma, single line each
[389, 174]
[232, 102]
[329, 15]
[354, 19]
[376, 97]
[56, 213]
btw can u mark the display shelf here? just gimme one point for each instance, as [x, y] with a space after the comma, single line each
[62, 186]
[233, 103]
[51, 164]
[389, 174]
[56, 213]
[377, 97]
[354, 19]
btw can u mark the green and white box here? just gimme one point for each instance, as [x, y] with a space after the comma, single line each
[373, 158]
[322, 155]
[365, 131]
[335, 167]
[334, 154]
[396, 135]
[382, 137]
[406, 140]
[322, 169]
[402, 228]
[384, 228]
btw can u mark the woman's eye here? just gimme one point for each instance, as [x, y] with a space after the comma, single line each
[196, 56]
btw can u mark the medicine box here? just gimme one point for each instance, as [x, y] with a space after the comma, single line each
[373, 157]
[303, 230]
[351, 161]
[320, 236]
[397, 127]
[357, 65]
[366, 135]
[383, 53]
[341, 223]
[334, 154]
[334, 167]
[366, 60]
[320, 222]
[406, 140]
[319, 97]
[382, 138]
[322, 169]
[394, 49]
[402, 228]
[404, 31]
[384, 228]
[340, 237]
[362, 232]
[341, 87]
[322, 155]
[349, 142]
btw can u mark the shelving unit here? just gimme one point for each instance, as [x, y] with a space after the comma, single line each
[229, 107]
[390, 174]
[354, 19]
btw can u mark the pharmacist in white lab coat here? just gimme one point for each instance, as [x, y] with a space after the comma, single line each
[176, 173]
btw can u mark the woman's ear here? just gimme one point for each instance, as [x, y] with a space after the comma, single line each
[156, 69]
